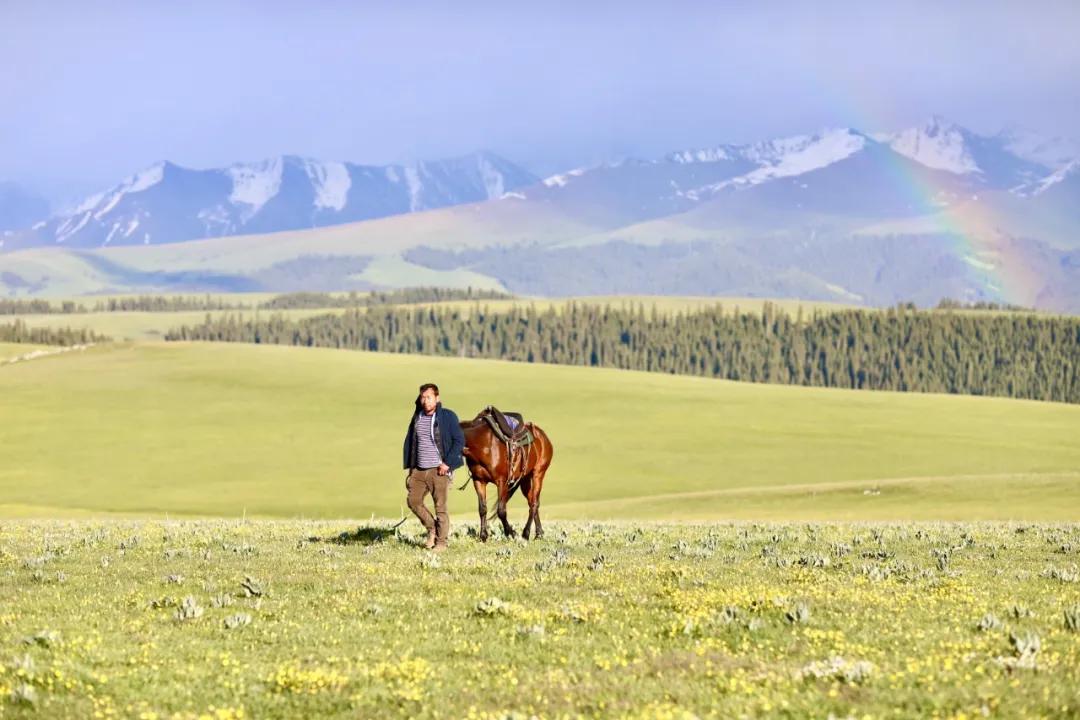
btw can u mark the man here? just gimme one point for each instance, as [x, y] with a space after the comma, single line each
[433, 445]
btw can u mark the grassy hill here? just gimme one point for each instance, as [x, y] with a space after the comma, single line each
[277, 431]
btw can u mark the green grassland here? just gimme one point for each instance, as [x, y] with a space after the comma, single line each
[229, 619]
[221, 429]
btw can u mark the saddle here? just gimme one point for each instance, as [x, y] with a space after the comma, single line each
[509, 427]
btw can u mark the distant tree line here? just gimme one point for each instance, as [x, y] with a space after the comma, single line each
[405, 296]
[37, 307]
[950, 304]
[1012, 355]
[143, 303]
[189, 303]
[158, 303]
[20, 332]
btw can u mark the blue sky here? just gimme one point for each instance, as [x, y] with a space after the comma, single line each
[90, 92]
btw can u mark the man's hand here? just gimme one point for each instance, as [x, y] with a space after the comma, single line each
[444, 469]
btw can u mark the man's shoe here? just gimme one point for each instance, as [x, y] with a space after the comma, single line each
[430, 542]
[439, 548]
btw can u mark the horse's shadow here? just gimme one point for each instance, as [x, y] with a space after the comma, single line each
[363, 535]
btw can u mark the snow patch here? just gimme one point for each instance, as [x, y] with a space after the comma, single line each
[109, 205]
[331, 182]
[788, 157]
[216, 215]
[936, 145]
[63, 234]
[562, 179]
[38, 225]
[978, 264]
[843, 292]
[494, 183]
[132, 226]
[1057, 176]
[88, 204]
[716, 154]
[556, 181]
[145, 179]
[412, 179]
[255, 184]
[112, 232]
[513, 195]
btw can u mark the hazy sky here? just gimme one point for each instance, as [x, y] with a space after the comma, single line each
[92, 91]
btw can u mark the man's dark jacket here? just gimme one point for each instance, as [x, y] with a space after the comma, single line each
[448, 438]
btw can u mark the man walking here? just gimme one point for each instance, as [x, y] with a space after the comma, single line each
[433, 445]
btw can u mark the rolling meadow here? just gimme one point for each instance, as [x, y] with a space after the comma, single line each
[197, 529]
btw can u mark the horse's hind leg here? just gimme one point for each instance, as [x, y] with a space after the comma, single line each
[536, 484]
[481, 497]
[526, 490]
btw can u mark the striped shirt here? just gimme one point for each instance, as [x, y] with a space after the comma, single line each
[427, 455]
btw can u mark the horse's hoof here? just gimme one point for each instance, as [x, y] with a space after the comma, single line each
[483, 537]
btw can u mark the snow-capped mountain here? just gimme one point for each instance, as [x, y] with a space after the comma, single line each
[941, 162]
[1037, 148]
[1002, 161]
[167, 203]
[784, 157]
[923, 213]
[1068, 173]
[793, 154]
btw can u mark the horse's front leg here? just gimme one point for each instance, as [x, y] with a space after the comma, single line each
[481, 496]
[500, 508]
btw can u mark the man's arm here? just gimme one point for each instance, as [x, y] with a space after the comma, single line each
[407, 447]
[453, 457]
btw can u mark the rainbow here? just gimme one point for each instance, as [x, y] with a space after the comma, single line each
[977, 233]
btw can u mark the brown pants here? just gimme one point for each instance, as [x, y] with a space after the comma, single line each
[422, 483]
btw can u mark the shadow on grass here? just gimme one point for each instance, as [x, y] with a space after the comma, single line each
[364, 535]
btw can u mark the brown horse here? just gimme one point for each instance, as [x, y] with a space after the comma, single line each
[489, 462]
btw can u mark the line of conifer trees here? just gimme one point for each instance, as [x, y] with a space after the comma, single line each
[285, 301]
[1011, 355]
[20, 332]
[37, 307]
[142, 303]
[404, 296]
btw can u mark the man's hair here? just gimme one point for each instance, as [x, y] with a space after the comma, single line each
[429, 386]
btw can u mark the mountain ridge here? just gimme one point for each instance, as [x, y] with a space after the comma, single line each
[930, 212]
[167, 202]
